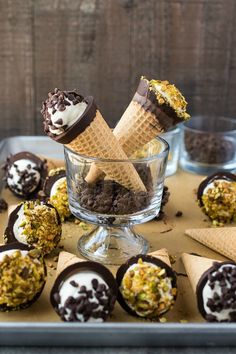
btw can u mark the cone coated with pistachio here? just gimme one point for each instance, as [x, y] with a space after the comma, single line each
[22, 276]
[147, 286]
[55, 189]
[36, 224]
[217, 197]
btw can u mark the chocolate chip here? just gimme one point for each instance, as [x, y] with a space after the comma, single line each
[83, 289]
[74, 284]
[62, 311]
[3, 205]
[94, 283]
[59, 121]
[178, 214]
[101, 287]
[80, 308]
[70, 301]
[211, 318]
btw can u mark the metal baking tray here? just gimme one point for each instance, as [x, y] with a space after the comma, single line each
[103, 334]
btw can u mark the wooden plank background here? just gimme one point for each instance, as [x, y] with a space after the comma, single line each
[102, 47]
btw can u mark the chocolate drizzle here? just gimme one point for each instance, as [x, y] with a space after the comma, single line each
[219, 302]
[84, 303]
[218, 175]
[166, 115]
[78, 127]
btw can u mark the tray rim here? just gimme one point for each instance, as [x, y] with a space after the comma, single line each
[195, 334]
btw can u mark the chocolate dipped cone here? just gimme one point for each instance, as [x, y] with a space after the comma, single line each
[214, 283]
[91, 136]
[195, 266]
[83, 290]
[161, 254]
[221, 240]
[140, 280]
[156, 107]
[66, 259]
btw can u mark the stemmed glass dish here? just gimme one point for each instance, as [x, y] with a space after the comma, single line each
[113, 208]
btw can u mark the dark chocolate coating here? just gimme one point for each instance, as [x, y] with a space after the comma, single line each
[218, 175]
[79, 126]
[202, 282]
[50, 180]
[20, 246]
[98, 268]
[42, 169]
[165, 114]
[146, 258]
[9, 236]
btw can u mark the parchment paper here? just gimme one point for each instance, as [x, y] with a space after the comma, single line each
[167, 233]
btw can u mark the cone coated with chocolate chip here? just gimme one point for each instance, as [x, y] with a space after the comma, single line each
[91, 136]
[214, 283]
[195, 266]
[148, 114]
[219, 239]
[83, 290]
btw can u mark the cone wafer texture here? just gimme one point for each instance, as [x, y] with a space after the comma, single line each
[65, 260]
[98, 141]
[195, 266]
[161, 254]
[155, 107]
[221, 240]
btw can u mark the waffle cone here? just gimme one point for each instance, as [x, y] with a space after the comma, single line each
[98, 141]
[136, 128]
[161, 254]
[221, 240]
[195, 266]
[65, 260]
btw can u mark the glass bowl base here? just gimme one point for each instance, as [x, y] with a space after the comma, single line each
[112, 245]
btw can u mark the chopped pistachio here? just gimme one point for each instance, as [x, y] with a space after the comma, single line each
[21, 278]
[219, 202]
[60, 201]
[42, 229]
[147, 290]
[55, 171]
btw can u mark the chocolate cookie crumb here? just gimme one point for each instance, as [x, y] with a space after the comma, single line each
[3, 205]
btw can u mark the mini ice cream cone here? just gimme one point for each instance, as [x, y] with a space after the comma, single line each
[155, 107]
[66, 259]
[221, 240]
[214, 283]
[91, 136]
[161, 254]
[195, 266]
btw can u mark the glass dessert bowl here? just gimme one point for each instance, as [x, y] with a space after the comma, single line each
[116, 204]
